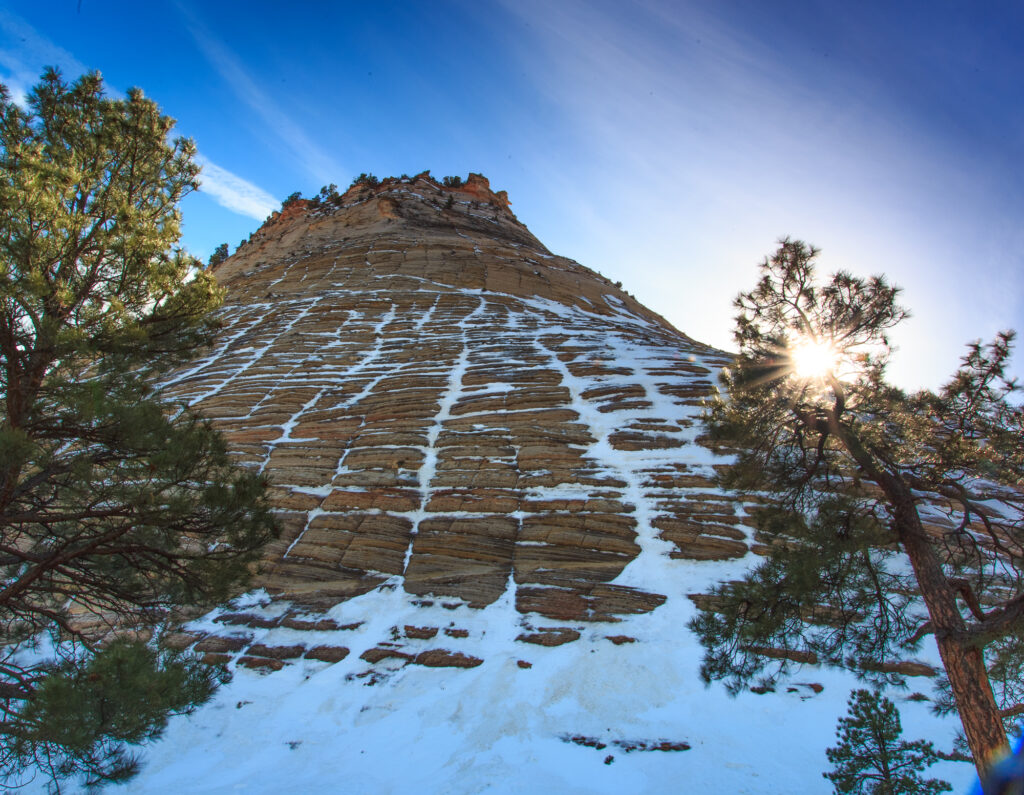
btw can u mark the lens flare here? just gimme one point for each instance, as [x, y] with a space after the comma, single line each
[812, 360]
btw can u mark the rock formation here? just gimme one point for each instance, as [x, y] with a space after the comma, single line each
[496, 516]
[435, 396]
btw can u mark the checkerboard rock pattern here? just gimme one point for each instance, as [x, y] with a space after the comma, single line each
[443, 406]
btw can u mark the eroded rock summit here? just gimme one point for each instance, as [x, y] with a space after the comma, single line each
[442, 404]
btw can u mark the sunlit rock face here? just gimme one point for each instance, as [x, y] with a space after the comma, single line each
[497, 522]
[442, 405]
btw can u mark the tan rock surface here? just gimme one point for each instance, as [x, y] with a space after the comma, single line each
[434, 397]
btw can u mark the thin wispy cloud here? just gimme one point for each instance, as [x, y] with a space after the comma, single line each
[234, 193]
[24, 53]
[310, 156]
[737, 140]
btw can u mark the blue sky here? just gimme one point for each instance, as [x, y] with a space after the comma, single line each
[665, 144]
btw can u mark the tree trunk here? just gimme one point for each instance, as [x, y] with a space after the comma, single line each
[964, 662]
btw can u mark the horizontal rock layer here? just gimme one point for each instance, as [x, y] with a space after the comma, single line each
[436, 398]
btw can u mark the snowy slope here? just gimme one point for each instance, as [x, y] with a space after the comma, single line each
[476, 449]
[503, 728]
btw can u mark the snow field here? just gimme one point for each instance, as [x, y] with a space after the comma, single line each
[498, 727]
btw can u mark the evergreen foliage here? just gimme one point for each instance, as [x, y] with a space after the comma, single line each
[892, 516]
[116, 506]
[452, 182]
[328, 195]
[291, 198]
[871, 759]
[218, 256]
[84, 711]
[366, 180]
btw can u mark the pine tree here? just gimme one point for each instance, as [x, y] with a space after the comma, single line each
[117, 507]
[218, 256]
[366, 180]
[892, 516]
[871, 759]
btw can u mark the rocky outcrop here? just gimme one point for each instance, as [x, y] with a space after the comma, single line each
[498, 519]
[436, 398]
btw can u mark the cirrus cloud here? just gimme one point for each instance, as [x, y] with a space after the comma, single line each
[234, 193]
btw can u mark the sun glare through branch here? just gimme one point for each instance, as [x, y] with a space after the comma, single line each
[813, 359]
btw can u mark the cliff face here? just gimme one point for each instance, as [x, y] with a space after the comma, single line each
[495, 509]
[435, 397]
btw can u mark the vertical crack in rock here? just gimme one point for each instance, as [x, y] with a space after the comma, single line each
[449, 398]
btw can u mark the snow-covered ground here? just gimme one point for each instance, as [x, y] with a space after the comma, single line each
[583, 717]
[500, 728]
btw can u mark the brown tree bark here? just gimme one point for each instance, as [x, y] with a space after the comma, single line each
[963, 661]
[962, 658]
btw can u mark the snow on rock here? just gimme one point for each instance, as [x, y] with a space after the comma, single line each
[495, 506]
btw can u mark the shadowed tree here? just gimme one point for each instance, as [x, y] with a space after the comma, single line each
[116, 506]
[218, 256]
[871, 759]
[891, 516]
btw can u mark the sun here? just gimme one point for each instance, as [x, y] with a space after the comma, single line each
[812, 359]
